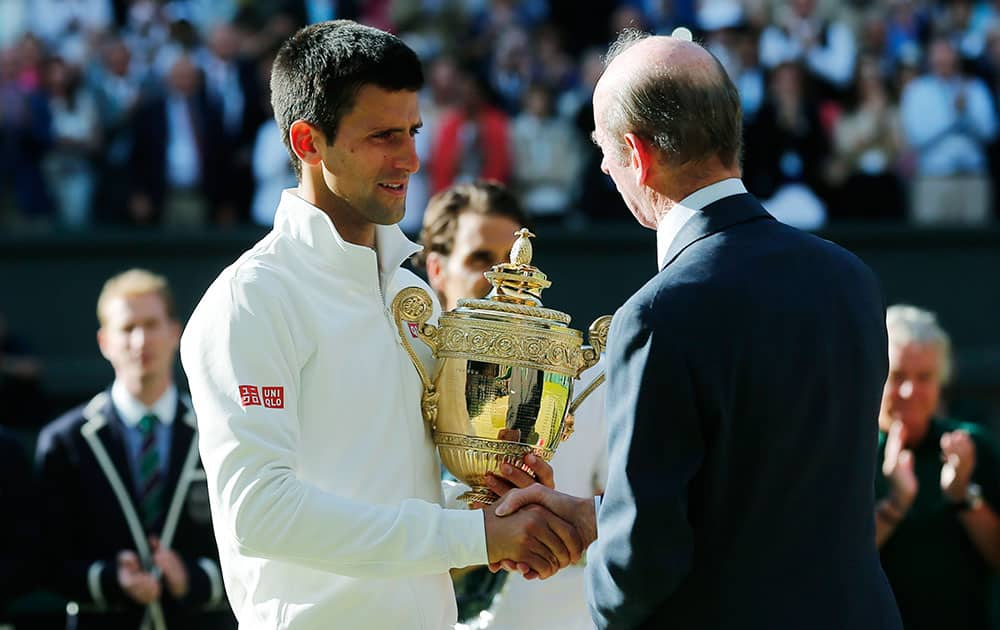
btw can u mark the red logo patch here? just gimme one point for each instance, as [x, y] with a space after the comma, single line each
[414, 329]
[274, 397]
[249, 396]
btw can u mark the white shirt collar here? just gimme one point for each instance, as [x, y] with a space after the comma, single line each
[672, 222]
[131, 410]
[313, 227]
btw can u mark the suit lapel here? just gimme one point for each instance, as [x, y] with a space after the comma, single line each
[714, 218]
[112, 435]
[181, 434]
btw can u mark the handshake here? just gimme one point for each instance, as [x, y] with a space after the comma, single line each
[533, 529]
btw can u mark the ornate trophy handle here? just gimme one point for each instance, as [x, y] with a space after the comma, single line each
[598, 335]
[413, 307]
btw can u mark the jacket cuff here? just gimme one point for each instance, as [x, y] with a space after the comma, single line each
[466, 537]
[204, 584]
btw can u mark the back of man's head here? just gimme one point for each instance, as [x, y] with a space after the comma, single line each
[319, 71]
[676, 96]
[441, 216]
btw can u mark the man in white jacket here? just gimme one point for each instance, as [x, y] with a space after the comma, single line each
[323, 478]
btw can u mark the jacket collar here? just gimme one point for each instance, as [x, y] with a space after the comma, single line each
[312, 227]
[712, 219]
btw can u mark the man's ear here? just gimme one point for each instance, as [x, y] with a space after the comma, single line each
[640, 157]
[435, 271]
[304, 138]
[101, 343]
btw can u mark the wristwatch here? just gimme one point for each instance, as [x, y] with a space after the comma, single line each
[973, 499]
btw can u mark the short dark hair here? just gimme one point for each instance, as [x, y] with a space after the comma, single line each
[319, 71]
[480, 197]
[687, 119]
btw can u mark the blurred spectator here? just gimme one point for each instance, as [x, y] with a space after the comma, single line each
[786, 152]
[867, 143]
[949, 118]
[936, 524]
[546, 156]
[907, 28]
[729, 38]
[125, 512]
[20, 380]
[512, 68]
[272, 171]
[19, 539]
[827, 48]
[472, 140]
[67, 25]
[118, 85]
[173, 167]
[76, 136]
[25, 129]
[439, 95]
[232, 88]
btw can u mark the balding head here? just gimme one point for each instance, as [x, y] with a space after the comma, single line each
[674, 94]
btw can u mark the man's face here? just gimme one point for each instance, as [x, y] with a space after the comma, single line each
[481, 241]
[370, 162]
[622, 174]
[139, 339]
[912, 391]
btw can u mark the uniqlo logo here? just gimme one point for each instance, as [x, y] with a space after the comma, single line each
[414, 329]
[249, 396]
[274, 397]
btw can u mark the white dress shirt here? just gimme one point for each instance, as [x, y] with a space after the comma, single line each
[669, 226]
[131, 410]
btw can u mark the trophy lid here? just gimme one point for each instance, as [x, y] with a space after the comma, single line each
[517, 285]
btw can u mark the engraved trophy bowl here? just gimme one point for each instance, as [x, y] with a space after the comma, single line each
[506, 367]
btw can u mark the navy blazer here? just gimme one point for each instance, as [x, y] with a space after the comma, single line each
[85, 524]
[744, 383]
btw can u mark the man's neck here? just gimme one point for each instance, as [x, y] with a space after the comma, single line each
[351, 227]
[675, 187]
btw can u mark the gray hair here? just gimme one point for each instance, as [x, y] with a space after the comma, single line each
[687, 117]
[908, 324]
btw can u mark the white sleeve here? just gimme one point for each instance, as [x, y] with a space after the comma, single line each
[242, 334]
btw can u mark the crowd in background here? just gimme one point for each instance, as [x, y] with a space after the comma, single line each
[144, 112]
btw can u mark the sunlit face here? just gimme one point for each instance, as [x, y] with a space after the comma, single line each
[481, 241]
[369, 164]
[913, 390]
[139, 339]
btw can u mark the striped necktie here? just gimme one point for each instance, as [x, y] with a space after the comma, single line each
[150, 477]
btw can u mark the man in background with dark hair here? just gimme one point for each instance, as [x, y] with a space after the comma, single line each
[325, 484]
[744, 382]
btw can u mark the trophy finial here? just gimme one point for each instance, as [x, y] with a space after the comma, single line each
[520, 253]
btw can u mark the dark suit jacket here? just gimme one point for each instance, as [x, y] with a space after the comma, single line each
[85, 524]
[744, 386]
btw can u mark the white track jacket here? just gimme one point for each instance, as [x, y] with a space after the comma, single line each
[324, 482]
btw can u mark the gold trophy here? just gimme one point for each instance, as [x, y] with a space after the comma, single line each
[505, 373]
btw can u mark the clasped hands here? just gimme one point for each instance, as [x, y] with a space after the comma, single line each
[533, 529]
[144, 586]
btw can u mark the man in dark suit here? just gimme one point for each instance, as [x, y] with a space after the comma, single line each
[125, 515]
[744, 383]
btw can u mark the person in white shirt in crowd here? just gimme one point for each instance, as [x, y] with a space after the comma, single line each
[325, 485]
[467, 229]
[827, 48]
[547, 156]
[949, 119]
